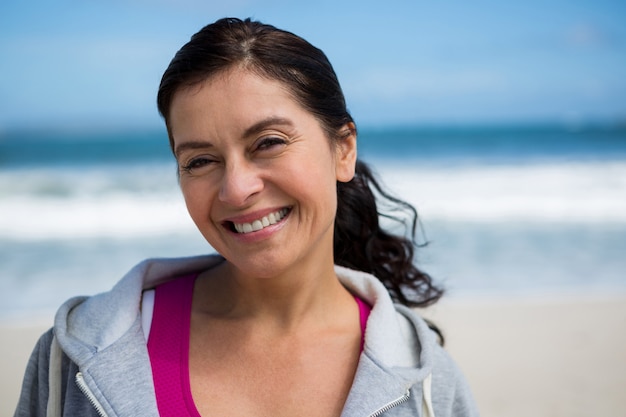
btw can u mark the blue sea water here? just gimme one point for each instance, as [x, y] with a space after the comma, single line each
[537, 209]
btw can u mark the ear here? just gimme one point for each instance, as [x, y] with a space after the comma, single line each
[345, 160]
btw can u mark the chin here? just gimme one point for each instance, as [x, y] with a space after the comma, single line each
[257, 266]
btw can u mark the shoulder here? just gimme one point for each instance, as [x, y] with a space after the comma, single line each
[450, 391]
[47, 364]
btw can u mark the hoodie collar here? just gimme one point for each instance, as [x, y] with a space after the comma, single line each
[397, 354]
[84, 320]
[412, 339]
[85, 325]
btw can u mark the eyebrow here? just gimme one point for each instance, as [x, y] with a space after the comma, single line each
[255, 128]
[191, 145]
[265, 123]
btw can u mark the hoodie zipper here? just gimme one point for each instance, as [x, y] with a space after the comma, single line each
[392, 404]
[82, 386]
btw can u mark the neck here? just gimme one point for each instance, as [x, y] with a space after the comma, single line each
[283, 301]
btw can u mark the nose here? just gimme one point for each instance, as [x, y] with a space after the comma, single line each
[241, 180]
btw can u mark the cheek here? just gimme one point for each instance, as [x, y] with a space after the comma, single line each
[197, 200]
[313, 180]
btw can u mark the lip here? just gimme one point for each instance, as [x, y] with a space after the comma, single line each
[229, 223]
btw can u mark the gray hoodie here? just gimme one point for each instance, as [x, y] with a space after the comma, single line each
[94, 362]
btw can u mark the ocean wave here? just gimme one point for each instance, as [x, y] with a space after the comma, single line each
[145, 201]
[565, 192]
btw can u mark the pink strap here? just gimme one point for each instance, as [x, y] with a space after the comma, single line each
[364, 313]
[168, 347]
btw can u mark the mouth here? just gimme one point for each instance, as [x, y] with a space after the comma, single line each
[260, 224]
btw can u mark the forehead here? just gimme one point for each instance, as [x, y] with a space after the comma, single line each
[233, 90]
[236, 84]
[230, 102]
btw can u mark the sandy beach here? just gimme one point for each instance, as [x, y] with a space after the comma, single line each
[522, 357]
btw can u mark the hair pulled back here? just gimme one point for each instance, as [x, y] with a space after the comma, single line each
[359, 240]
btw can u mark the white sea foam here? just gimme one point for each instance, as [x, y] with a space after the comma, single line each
[565, 192]
[63, 204]
[67, 203]
[108, 216]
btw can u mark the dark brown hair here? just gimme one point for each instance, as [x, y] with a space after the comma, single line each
[359, 240]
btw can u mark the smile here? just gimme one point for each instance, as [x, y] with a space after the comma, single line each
[261, 223]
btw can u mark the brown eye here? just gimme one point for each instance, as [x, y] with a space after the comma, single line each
[197, 163]
[268, 143]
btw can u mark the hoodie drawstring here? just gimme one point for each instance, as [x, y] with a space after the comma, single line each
[53, 408]
[427, 398]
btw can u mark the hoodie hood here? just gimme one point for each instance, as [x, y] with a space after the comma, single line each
[413, 336]
[86, 325]
[103, 334]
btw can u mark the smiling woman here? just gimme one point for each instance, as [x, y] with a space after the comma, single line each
[295, 315]
[246, 150]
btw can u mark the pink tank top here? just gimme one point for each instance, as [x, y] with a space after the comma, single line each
[168, 345]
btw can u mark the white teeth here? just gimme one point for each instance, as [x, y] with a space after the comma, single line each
[261, 223]
[257, 225]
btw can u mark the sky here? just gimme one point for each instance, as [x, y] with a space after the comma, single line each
[70, 63]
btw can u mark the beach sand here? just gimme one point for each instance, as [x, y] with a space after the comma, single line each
[522, 357]
[541, 357]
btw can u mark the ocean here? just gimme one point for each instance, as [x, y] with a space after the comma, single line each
[530, 210]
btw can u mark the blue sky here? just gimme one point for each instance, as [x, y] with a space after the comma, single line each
[98, 63]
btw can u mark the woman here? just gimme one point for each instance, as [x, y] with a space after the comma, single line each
[295, 316]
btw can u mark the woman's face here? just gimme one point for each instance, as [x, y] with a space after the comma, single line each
[258, 173]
